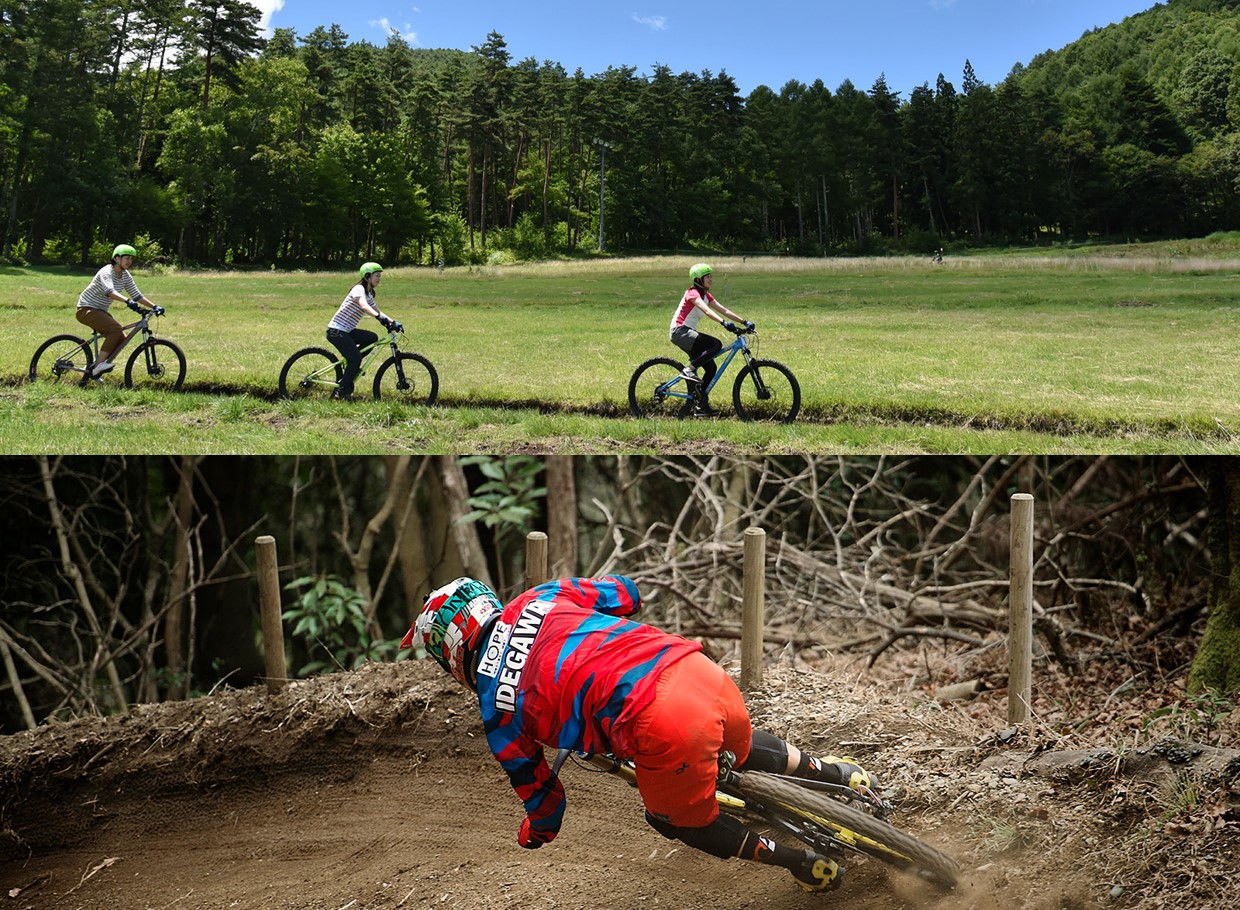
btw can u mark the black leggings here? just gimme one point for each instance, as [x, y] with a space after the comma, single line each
[701, 350]
[349, 344]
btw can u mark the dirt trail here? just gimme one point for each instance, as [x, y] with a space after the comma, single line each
[374, 789]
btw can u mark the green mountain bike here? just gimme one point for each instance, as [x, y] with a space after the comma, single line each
[403, 376]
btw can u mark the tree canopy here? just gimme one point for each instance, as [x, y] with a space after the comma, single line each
[176, 124]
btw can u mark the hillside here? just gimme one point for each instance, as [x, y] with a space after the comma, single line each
[374, 789]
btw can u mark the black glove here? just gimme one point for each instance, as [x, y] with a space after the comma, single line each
[133, 305]
[731, 327]
[397, 327]
[157, 310]
[750, 327]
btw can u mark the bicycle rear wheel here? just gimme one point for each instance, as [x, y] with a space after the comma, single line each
[62, 358]
[409, 378]
[658, 390]
[311, 373]
[835, 823]
[156, 364]
[766, 390]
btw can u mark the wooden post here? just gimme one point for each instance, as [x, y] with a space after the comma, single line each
[535, 559]
[752, 606]
[269, 605]
[1020, 610]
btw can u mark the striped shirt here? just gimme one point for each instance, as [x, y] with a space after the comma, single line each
[351, 312]
[96, 294]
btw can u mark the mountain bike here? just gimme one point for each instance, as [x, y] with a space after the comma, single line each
[764, 390]
[830, 819]
[155, 363]
[317, 372]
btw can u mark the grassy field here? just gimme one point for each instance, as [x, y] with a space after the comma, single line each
[1119, 350]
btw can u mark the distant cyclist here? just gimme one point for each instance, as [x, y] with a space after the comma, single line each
[559, 666]
[343, 332]
[701, 348]
[112, 282]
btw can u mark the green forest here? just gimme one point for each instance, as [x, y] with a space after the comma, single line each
[175, 125]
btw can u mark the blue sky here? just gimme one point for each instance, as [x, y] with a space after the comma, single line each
[909, 41]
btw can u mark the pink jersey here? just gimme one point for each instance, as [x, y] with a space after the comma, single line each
[688, 311]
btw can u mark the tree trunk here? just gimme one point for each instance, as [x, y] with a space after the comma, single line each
[1217, 665]
[561, 516]
[463, 535]
[178, 582]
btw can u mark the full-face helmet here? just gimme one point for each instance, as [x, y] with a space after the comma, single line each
[452, 623]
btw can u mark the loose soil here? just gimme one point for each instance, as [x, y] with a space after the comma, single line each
[375, 789]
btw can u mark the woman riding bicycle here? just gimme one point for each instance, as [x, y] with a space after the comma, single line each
[701, 348]
[343, 332]
[559, 667]
[112, 282]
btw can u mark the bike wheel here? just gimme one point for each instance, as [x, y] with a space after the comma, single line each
[62, 358]
[311, 373]
[658, 390]
[815, 817]
[766, 390]
[409, 378]
[156, 364]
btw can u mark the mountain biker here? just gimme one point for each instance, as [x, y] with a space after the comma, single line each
[112, 282]
[701, 348]
[559, 667]
[343, 332]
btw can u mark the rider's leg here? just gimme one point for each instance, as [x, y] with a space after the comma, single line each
[705, 347]
[697, 712]
[106, 325]
[349, 344]
[770, 753]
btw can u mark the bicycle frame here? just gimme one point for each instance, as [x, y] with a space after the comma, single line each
[369, 353]
[739, 346]
[142, 326]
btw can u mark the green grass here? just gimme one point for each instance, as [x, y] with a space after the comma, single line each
[1104, 352]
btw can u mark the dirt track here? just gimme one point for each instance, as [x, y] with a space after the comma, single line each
[375, 790]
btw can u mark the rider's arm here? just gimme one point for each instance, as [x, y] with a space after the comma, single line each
[539, 790]
[716, 310]
[614, 595]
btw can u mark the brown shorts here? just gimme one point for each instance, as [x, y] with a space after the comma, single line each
[105, 324]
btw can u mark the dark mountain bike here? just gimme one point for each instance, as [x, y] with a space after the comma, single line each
[831, 819]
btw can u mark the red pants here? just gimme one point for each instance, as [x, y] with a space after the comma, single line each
[697, 712]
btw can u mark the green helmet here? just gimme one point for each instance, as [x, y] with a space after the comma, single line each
[700, 271]
[368, 269]
[124, 249]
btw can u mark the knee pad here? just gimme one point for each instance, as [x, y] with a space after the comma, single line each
[768, 753]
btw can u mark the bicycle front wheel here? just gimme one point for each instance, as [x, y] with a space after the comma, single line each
[658, 390]
[409, 378]
[807, 812]
[766, 391]
[156, 364]
[62, 358]
[311, 373]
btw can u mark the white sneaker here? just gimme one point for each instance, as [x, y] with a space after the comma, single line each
[689, 375]
[103, 366]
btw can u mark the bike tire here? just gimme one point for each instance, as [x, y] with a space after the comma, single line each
[412, 371]
[852, 827]
[772, 378]
[308, 374]
[62, 358]
[157, 364]
[645, 396]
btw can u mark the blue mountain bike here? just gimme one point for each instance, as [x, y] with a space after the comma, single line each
[764, 390]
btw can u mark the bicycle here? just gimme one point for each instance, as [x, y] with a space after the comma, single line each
[764, 390]
[830, 819]
[317, 372]
[156, 362]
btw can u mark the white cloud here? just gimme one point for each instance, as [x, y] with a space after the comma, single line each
[654, 23]
[407, 32]
[267, 8]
